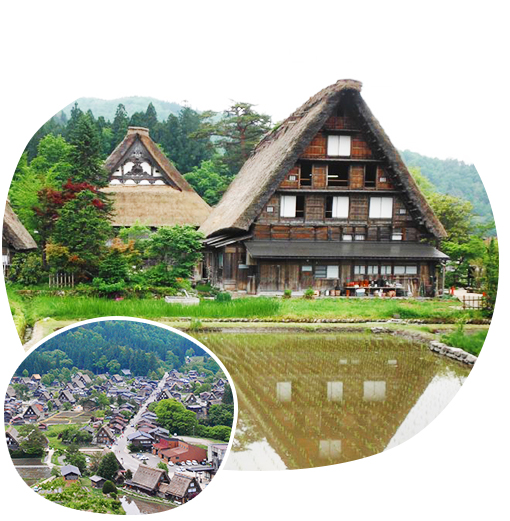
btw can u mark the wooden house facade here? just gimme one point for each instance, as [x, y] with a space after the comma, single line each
[325, 202]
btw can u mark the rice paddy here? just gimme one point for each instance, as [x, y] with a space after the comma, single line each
[321, 399]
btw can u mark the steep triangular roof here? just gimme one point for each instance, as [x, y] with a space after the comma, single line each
[156, 201]
[14, 233]
[279, 150]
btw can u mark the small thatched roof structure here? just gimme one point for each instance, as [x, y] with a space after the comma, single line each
[165, 200]
[178, 486]
[14, 233]
[148, 477]
[279, 150]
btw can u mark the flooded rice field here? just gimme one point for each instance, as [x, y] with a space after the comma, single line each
[31, 470]
[309, 400]
[135, 506]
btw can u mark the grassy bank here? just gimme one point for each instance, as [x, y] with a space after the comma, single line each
[470, 342]
[18, 311]
[31, 309]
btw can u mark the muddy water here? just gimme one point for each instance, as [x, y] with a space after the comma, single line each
[135, 506]
[320, 399]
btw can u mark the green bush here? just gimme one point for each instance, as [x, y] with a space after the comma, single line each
[308, 294]
[224, 296]
[26, 269]
[109, 487]
[287, 293]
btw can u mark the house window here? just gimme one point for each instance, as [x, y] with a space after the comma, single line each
[270, 209]
[292, 206]
[338, 174]
[385, 270]
[306, 268]
[306, 175]
[346, 237]
[411, 270]
[339, 146]
[326, 272]
[292, 178]
[372, 270]
[359, 237]
[337, 207]
[359, 270]
[220, 260]
[397, 234]
[332, 272]
[399, 270]
[381, 208]
[402, 211]
[370, 175]
[321, 272]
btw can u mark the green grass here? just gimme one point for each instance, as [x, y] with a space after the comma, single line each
[89, 307]
[68, 307]
[374, 308]
[472, 343]
[19, 312]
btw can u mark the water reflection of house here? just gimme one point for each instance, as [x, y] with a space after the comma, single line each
[339, 401]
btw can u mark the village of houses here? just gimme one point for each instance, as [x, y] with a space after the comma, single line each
[127, 426]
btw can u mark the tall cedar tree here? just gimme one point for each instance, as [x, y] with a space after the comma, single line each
[237, 132]
[108, 466]
[85, 156]
[119, 125]
[491, 273]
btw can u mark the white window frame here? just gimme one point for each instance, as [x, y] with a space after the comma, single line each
[397, 236]
[381, 208]
[412, 270]
[339, 146]
[340, 207]
[360, 269]
[386, 269]
[372, 270]
[399, 270]
[288, 205]
[332, 271]
[360, 237]
[347, 237]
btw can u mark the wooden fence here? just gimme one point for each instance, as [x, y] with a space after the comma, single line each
[61, 280]
[474, 302]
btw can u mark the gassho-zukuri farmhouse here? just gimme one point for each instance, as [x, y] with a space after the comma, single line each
[325, 202]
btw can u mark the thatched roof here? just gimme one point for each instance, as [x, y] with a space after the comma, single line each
[153, 205]
[148, 477]
[156, 206]
[279, 150]
[14, 233]
[178, 486]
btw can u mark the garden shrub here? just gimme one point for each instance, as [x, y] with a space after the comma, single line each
[287, 293]
[26, 269]
[308, 294]
[224, 296]
[109, 487]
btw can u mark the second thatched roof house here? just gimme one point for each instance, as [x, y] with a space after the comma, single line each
[146, 187]
[325, 202]
[15, 236]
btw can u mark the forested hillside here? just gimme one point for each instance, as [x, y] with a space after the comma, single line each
[115, 345]
[107, 108]
[453, 177]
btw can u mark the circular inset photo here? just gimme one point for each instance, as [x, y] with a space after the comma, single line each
[119, 416]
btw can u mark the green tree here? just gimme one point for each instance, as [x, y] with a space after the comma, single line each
[162, 465]
[109, 487]
[120, 125]
[237, 132]
[173, 416]
[85, 155]
[33, 441]
[108, 466]
[221, 414]
[228, 397]
[210, 180]
[73, 457]
[491, 277]
[83, 227]
[176, 249]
